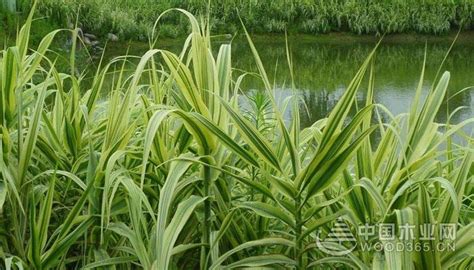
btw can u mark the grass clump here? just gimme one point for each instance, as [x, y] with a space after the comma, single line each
[161, 169]
[134, 19]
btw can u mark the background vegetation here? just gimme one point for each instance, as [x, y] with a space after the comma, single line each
[134, 19]
[165, 169]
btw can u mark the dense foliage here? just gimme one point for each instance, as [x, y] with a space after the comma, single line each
[163, 169]
[134, 19]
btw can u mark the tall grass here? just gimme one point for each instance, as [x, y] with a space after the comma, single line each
[134, 19]
[162, 169]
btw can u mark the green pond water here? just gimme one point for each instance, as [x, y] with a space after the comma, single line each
[323, 69]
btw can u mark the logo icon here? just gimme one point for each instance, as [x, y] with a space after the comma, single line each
[340, 240]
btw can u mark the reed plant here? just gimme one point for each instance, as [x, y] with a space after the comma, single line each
[165, 169]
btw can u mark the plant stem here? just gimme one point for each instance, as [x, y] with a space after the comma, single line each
[206, 224]
[298, 231]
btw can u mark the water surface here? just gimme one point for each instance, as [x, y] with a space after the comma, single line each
[323, 69]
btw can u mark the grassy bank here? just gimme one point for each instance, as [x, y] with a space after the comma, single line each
[134, 19]
[164, 169]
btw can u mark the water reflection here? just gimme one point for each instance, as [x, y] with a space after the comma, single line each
[323, 71]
